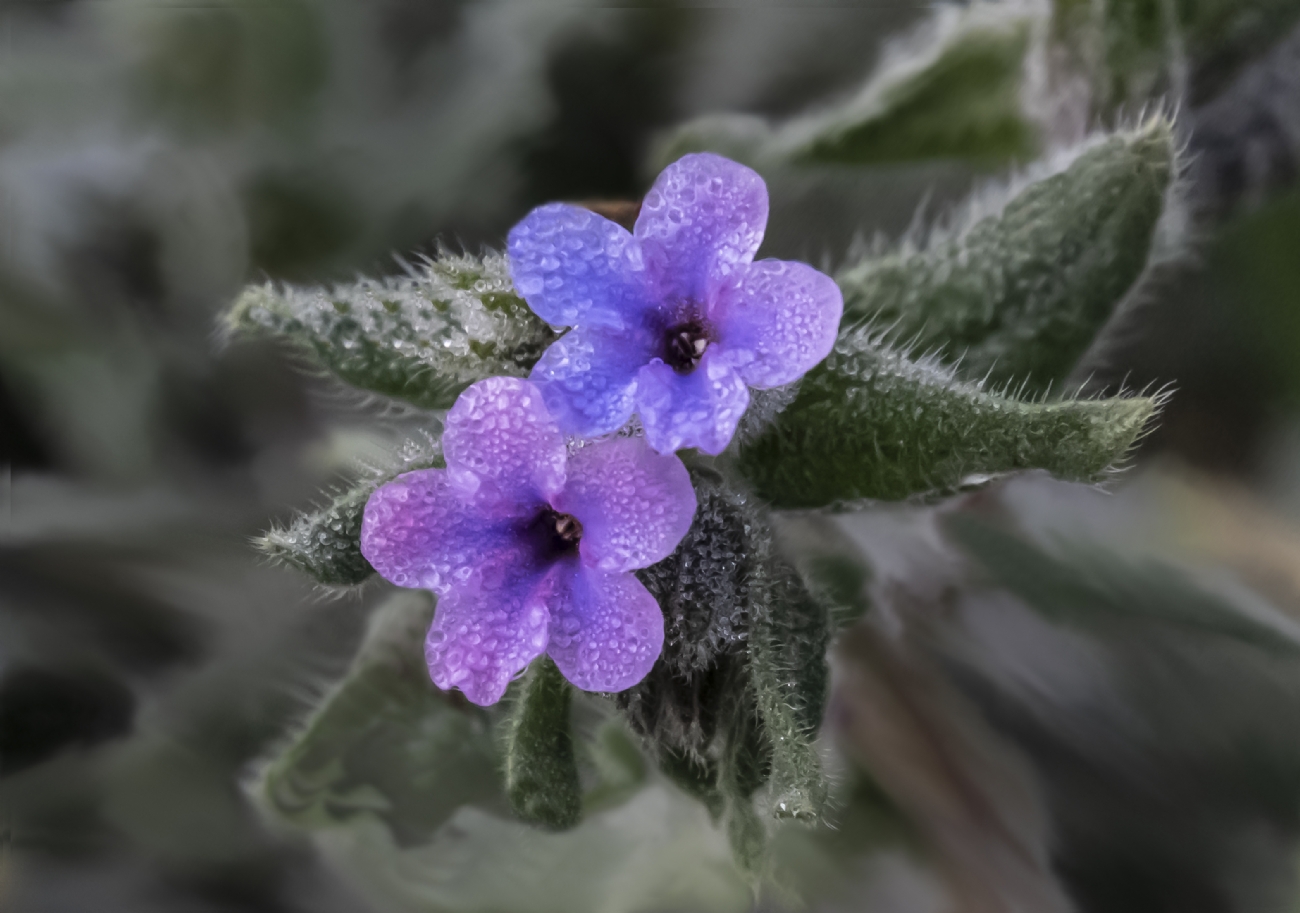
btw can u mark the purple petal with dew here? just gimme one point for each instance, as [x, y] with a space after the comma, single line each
[499, 435]
[421, 530]
[487, 630]
[573, 266]
[703, 218]
[700, 409]
[606, 629]
[588, 378]
[634, 505]
[776, 320]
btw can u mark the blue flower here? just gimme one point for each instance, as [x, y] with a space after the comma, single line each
[530, 547]
[674, 320]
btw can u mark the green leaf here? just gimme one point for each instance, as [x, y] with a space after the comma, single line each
[386, 742]
[871, 423]
[541, 769]
[1018, 296]
[953, 90]
[422, 338]
[326, 543]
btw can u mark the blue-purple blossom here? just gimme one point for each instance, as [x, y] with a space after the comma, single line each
[674, 320]
[529, 547]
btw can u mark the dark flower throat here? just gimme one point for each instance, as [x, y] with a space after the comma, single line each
[557, 534]
[684, 346]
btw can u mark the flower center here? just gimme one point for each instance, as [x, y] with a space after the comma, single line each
[684, 346]
[557, 534]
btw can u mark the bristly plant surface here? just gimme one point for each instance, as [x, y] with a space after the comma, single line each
[950, 368]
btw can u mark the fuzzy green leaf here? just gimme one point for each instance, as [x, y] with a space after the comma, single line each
[541, 768]
[422, 338]
[871, 423]
[952, 91]
[1018, 296]
[326, 543]
[386, 742]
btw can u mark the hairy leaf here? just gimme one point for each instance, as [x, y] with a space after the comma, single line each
[541, 768]
[1018, 296]
[871, 423]
[422, 338]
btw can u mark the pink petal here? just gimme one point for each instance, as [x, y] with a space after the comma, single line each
[500, 435]
[606, 629]
[485, 632]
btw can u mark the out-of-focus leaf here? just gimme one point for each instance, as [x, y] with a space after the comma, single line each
[386, 742]
[1135, 50]
[1089, 587]
[954, 90]
[229, 64]
[423, 337]
[1019, 295]
[870, 423]
[541, 769]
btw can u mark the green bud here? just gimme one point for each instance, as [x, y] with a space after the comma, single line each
[326, 543]
[541, 768]
[1018, 296]
[870, 423]
[422, 338]
[789, 678]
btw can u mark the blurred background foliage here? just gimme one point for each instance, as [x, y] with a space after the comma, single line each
[1056, 698]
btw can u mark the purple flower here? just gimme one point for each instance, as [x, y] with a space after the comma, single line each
[529, 547]
[676, 318]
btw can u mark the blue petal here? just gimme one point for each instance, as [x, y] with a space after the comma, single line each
[575, 267]
[776, 320]
[702, 220]
[700, 409]
[635, 505]
[588, 378]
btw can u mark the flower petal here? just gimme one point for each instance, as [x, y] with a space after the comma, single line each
[776, 320]
[588, 378]
[703, 218]
[421, 530]
[573, 266]
[634, 504]
[500, 434]
[486, 631]
[606, 629]
[699, 409]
